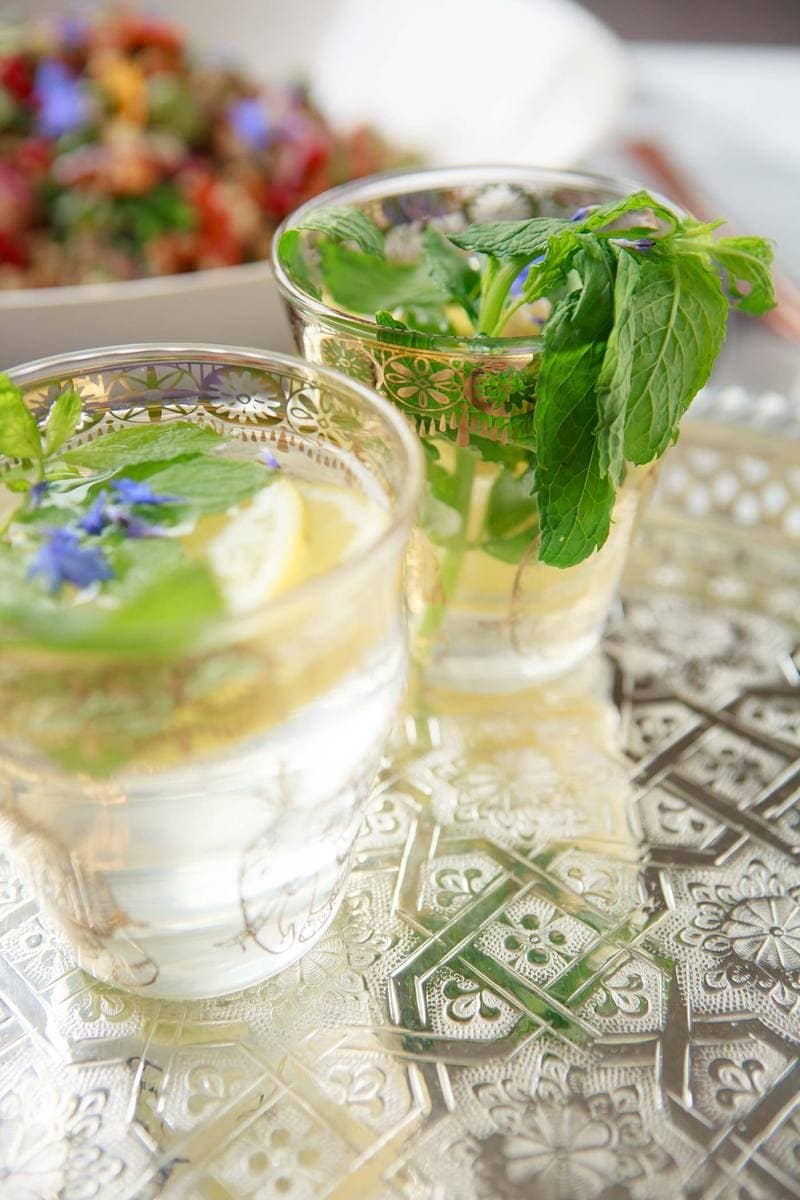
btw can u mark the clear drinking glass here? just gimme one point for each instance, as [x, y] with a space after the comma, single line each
[489, 616]
[201, 839]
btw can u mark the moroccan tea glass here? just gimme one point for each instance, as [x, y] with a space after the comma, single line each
[185, 819]
[488, 616]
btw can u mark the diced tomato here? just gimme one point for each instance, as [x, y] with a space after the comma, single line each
[16, 77]
[12, 251]
[216, 240]
[136, 33]
[35, 155]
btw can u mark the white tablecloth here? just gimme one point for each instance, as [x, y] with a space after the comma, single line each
[730, 118]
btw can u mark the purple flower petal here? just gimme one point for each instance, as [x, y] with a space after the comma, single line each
[644, 243]
[37, 493]
[62, 559]
[250, 122]
[63, 103]
[582, 213]
[519, 282]
[269, 460]
[132, 526]
[132, 491]
[97, 517]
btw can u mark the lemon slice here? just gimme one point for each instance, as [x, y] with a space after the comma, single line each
[339, 523]
[261, 551]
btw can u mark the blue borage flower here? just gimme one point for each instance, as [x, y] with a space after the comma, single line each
[644, 243]
[63, 103]
[132, 491]
[519, 282]
[129, 492]
[269, 460]
[37, 493]
[582, 213]
[62, 559]
[97, 518]
[132, 526]
[250, 122]
[73, 30]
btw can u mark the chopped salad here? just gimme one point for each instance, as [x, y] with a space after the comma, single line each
[122, 156]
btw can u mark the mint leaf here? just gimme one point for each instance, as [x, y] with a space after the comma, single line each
[547, 277]
[209, 484]
[605, 220]
[290, 253]
[511, 521]
[423, 320]
[139, 563]
[510, 549]
[575, 498]
[164, 601]
[506, 453]
[167, 614]
[146, 443]
[19, 433]
[451, 270]
[613, 384]
[511, 504]
[746, 262]
[674, 326]
[364, 283]
[385, 319]
[510, 239]
[62, 421]
[345, 225]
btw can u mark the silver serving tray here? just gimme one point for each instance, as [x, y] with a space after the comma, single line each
[568, 963]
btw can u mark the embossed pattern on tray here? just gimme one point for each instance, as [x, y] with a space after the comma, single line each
[567, 966]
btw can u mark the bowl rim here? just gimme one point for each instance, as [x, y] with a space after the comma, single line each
[402, 510]
[397, 182]
[117, 291]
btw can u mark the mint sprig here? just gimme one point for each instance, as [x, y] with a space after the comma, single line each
[639, 301]
[101, 513]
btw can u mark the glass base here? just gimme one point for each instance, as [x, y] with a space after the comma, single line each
[501, 668]
[207, 963]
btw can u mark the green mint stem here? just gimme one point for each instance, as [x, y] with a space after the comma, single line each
[452, 559]
[494, 298]
[6, 525]
[507, 314]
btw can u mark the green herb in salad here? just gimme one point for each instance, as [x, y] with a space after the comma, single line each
[638, 302]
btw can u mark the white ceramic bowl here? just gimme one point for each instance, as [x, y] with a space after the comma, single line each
[516, 81]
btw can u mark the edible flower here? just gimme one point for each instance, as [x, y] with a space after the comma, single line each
[643, 243]
[131, 491]
[73, 30]
[269, 460]
[519, 282]
[127, 492]
[37, 493]
[97, 517]
[62, 559]
[250, 122]
[134, 527]
[63, 104]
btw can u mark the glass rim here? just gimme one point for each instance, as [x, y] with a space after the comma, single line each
[402, 509]
[412, 179]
